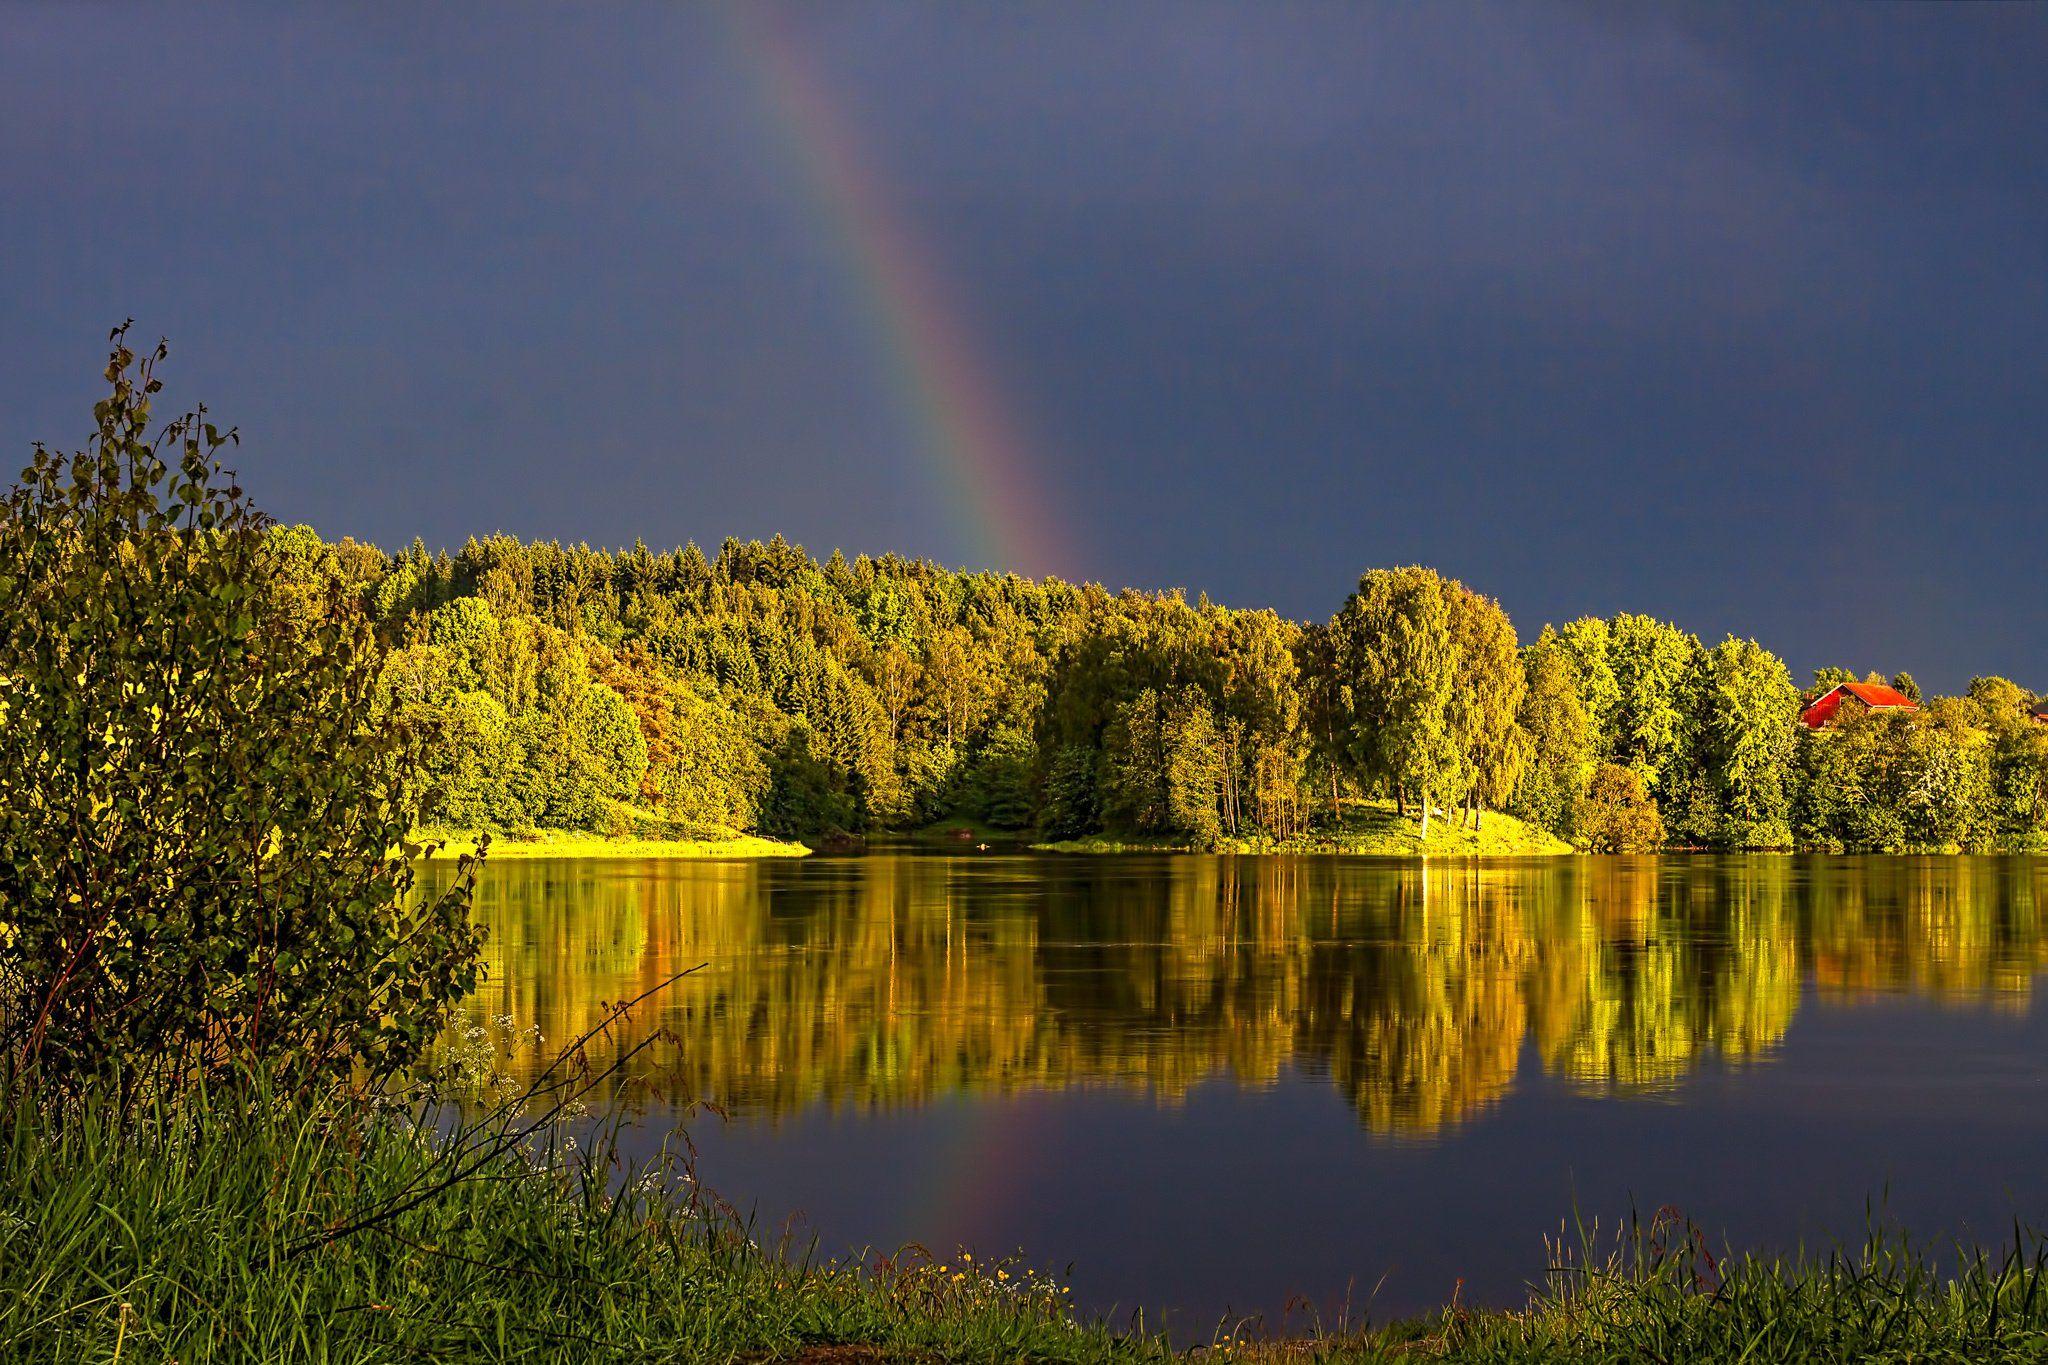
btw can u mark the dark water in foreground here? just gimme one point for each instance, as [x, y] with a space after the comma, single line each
[1212, 1084]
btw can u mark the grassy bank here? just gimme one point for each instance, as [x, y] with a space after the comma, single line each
[337, 1232]
[1368, 829]
[559, 843]
[264, 1233]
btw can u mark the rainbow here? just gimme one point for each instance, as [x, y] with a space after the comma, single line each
[982, 1174]
[975, 446]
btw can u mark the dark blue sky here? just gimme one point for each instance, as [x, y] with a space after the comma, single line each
[1734, 316]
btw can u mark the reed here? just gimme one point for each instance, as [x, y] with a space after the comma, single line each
[239, 1227]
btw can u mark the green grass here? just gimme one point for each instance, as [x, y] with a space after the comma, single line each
[337, 1231]
[255, 1232]
[562, 843]
[1369, 829]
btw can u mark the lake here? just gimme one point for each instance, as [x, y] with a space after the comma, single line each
[1224, 1085]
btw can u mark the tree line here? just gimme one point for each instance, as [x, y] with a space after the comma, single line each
[761, 690]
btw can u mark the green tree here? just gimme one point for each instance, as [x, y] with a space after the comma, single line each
[1395, 663]
[1749, 710]
[398, 595]
[473, 763]
[705, 770]
[1163, 765]
[466, 629]
[203, 815]
[956, 685]
[1898, 781]
[1070, 809]
[1846, 794]
[1000, 779]
[1486, 700]
[1650, 661]
[1617, 815]
[1194, 769]
[805, 796]
[1553, 715]
[1943, 777]
[582, 745]
[1261, 706]
[2019, 787]
[1999, 702]
[1327, 705]
[1588, 643]
[895, 675]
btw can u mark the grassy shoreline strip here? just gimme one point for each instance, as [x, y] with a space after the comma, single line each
[569, 844]
[255, 1228]
[1369, 829]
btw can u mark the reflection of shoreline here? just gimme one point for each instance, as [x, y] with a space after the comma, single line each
[888, 981]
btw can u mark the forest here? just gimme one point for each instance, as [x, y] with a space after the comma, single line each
[762, 691]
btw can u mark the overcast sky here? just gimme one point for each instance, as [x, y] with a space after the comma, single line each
[1738, 317]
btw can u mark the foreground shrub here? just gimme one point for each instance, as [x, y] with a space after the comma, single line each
[202, 815]
[1616, 815]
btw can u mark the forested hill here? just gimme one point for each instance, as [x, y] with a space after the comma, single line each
[765, 691]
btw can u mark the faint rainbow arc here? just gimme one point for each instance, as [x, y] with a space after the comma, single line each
[985, 1171]
[968, 434]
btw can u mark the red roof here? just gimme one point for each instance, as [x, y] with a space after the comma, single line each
[1876, 696]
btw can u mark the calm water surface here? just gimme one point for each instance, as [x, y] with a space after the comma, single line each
[1215, 1084]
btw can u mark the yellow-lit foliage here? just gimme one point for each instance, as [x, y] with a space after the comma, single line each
[1411, 987]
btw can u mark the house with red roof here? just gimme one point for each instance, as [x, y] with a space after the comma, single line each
[1824, 709]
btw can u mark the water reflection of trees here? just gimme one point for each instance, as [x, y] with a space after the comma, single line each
[1412, 988]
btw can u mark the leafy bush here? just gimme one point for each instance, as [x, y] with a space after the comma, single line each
[1616, 815]
[202, 816]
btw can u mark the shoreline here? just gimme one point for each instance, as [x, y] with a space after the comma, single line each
[563, 844]
[1095, 845]
[178, 1218]
[1369, 829]
[1501, 837]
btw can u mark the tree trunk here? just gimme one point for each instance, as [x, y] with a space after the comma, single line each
[1425, 816]
[1230, 783]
